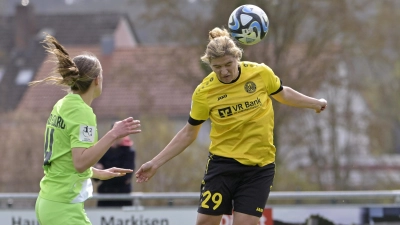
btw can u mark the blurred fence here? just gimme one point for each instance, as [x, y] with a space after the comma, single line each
[27, 200]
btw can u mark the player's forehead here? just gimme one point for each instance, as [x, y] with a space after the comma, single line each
[223, 60]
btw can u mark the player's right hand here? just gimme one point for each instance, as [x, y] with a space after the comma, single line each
[322, 105]
[126, 127]
[145, 172]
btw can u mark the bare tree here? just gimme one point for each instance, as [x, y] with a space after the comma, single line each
[378, 55]
[182, 173]
[21, 151]
[306, 42]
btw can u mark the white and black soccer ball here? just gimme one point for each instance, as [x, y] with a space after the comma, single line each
[248, 24]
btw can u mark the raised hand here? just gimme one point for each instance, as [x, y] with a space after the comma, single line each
[127, 126]
[322, 105]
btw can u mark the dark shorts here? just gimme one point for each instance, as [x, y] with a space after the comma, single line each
[229, 185]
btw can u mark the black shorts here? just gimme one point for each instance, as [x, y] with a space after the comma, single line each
[229, 185]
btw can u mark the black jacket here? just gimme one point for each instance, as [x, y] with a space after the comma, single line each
[122, 157]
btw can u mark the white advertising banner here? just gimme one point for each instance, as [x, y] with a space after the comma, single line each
[107, 216]
[340, 214]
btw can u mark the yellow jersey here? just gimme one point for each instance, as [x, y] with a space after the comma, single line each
[241, 113]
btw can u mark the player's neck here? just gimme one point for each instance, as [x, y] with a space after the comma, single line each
[87, 97]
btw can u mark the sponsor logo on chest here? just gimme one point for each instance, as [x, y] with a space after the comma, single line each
[238, 108]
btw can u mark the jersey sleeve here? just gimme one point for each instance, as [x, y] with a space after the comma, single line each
[272, 82]
[199, 108]
[82, 128]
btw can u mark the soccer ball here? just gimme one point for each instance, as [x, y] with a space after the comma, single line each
[248, 24]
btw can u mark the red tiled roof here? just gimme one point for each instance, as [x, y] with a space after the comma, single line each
[141, 80]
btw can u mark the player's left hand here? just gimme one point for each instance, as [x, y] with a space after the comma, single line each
[110, 173]
[322, 105]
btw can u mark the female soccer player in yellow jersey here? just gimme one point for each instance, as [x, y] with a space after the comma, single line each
[236, 98]
[71, 147]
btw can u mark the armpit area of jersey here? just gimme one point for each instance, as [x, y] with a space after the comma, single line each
[194, 122]
[279, 89]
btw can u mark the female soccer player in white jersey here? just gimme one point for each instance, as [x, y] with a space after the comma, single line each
[71, 145]
[241, 164]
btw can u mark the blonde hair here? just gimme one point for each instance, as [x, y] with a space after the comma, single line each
[76, 73]
[220, 44]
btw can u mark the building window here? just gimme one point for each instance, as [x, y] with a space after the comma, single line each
[24, 77]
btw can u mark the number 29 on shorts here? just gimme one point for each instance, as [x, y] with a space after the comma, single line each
[216, 198]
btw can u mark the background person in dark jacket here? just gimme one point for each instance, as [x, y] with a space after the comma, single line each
[121, 154]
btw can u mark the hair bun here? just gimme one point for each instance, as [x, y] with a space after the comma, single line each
[74, 70]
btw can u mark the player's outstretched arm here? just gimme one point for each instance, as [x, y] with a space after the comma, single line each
[84, 158]
[288, 96]
[177, 145]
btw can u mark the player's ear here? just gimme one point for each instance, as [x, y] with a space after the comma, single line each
[97, 80]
